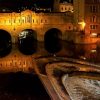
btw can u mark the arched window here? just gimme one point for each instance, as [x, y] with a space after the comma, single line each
[94, 19]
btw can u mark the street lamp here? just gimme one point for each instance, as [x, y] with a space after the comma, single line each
[82, 28]
[82, 25]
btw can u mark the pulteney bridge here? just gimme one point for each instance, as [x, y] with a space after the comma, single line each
[16, 27]
[39, 23]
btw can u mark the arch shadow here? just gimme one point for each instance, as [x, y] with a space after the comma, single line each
[5, 43]
[52, 40]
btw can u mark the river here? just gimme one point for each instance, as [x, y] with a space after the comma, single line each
[86, 52]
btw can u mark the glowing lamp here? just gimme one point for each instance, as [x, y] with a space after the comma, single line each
[82, 25]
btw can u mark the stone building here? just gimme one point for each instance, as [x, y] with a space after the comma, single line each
[87, 16]
[62, 6]
[78, 22]
[65, 7]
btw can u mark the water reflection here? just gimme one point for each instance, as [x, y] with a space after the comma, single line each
[52, 41]
[88, 52]
[84, 51]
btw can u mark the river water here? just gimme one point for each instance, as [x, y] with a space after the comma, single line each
[21, 86]
[86, 52]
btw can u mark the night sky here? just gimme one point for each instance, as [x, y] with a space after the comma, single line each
[15, 4]
[25, 2]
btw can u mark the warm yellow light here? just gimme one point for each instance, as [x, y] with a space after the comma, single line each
[93, 34]
[82, 24]
[93, 51]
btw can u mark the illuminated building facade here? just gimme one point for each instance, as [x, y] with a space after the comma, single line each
[87, 14]
[85, 19]
[15, 23]
[64, 7]
[92, 17]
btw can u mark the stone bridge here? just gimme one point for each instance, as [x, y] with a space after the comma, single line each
[41, 23]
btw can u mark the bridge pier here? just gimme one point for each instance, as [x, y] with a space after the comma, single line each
[14, 39]
[40, 37]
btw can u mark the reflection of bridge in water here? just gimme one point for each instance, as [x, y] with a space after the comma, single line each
[31, 63]
[17, 61]
[36, 64]
[21, 31]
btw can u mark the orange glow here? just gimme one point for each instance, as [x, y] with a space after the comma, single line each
[82, 24]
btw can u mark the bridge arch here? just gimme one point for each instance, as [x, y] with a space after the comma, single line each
[27, 41]
[5, 43]
[52, 40]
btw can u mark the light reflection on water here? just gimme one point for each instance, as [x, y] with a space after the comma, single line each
[87, 52]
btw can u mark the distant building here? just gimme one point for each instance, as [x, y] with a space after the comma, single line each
[56, 5]
[62, 6]
[65, 6]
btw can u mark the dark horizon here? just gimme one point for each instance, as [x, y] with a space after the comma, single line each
[14, 4]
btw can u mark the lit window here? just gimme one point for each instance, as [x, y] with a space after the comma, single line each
[29, 17]
[62, 8]
[93, 51]
[93, 9]
[93, 19]
[93, 34]
[93, 26]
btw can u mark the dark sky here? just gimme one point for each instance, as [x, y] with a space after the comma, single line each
[14, 4]
[25, 2]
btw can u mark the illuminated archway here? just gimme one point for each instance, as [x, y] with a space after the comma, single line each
[5, 43]
[27, 41]
[52, 40]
